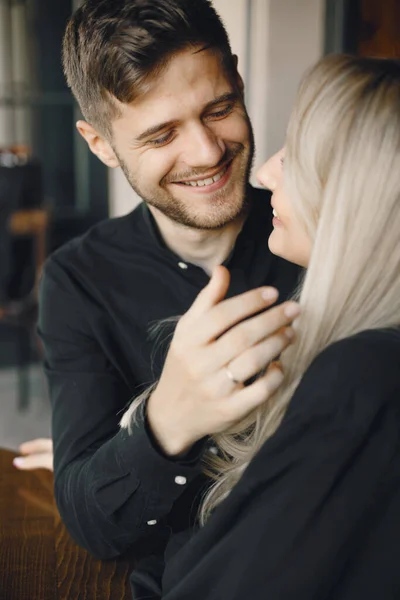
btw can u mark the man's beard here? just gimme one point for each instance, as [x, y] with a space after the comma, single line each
[226, 205]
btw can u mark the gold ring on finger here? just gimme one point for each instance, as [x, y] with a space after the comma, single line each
[230, 376]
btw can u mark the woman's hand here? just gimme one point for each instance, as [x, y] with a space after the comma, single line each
[37, 454]
[217, 346]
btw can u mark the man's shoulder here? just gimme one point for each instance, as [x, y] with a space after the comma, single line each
[261, 211]
[260, 217]
[261, 195]
[102, 239]
[261, 200]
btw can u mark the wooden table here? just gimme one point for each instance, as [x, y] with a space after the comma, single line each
[38, 559]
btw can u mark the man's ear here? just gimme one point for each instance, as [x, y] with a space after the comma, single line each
[238, 78]
[98, 144]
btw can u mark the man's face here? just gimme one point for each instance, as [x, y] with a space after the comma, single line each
[186, 145]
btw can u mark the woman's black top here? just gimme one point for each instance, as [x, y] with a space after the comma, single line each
[317, 513]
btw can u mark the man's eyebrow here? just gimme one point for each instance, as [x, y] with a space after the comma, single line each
[230, 97]
[155, 129]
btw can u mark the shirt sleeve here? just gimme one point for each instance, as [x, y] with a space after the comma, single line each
[293, 525]
[112, 489]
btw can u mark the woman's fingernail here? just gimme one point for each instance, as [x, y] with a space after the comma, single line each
[290, 333]
[292, 310]
[270, 294]
[18, 462]
[275, 379]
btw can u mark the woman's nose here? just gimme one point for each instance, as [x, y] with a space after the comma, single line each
[265, 175]
[270, 173]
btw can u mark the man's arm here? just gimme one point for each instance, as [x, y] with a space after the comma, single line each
[113, 485]
[112, 488]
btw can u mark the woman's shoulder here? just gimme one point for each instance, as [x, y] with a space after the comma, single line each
[364, 355]
[359, 374]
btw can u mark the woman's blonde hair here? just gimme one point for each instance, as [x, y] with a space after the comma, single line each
[342, 175]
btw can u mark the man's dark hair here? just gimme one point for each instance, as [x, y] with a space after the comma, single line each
[113, 48]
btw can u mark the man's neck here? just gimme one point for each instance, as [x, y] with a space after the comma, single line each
[204, 248]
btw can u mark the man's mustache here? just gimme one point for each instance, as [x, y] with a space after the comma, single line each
[230, 154]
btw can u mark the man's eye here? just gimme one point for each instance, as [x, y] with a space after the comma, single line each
[162, 140]
[222, 113]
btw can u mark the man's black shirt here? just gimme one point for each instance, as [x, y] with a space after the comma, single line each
[100, 294]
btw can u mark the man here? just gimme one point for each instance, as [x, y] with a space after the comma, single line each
[162, 98]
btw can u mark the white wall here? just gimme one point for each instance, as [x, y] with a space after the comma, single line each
[7, 131]
[17, 77]
[122, 198]
[286, 37]
[296, 39]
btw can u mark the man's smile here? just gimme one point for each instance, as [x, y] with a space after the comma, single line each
[211, 183]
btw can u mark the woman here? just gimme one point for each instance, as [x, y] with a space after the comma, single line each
[311, 489]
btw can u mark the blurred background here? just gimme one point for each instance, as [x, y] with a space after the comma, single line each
[53, 189]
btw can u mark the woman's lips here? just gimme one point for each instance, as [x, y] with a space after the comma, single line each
[276, 222]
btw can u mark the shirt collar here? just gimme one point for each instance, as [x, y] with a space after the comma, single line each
[255, 230]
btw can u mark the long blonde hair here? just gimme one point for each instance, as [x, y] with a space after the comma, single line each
[342, 174]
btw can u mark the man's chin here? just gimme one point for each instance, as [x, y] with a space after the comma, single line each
[202, 211]
[217, 216]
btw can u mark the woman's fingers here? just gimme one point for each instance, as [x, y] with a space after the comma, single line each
[247, 399]
[254, 360]
[235, 342]
[38, 446]
[211, 294]
[43, 460]
[193, 397]
[36, 454]
[229, 313]
[237, 401]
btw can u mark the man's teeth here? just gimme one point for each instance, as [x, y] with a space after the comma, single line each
[208, 181]
[275, 214]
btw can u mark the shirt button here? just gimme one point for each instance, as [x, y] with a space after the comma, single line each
[154, 522]
[180, 480]
[182, 265]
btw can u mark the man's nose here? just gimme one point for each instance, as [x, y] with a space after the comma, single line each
[203, 148]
